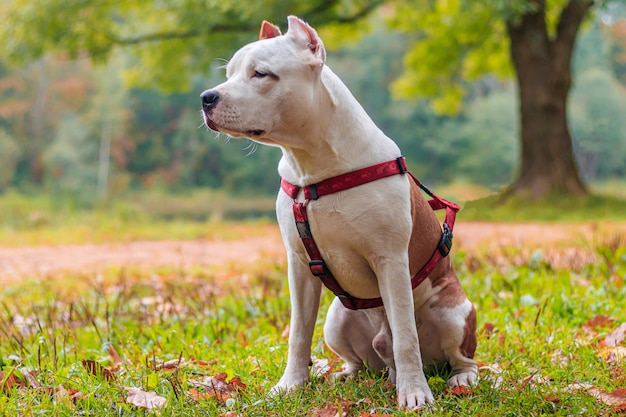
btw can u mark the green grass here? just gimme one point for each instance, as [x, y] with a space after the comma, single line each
[531, 328]
[562, 209]
[27, 220]
[45, 220]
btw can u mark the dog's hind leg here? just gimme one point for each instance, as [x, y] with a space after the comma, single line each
[461, 356]
[349, 334]
[451, 330]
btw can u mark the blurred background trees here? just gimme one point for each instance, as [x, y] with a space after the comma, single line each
[97, 100]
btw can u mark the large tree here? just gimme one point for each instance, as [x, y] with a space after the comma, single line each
[460, 40]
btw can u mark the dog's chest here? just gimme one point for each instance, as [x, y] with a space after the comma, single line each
[354, 231]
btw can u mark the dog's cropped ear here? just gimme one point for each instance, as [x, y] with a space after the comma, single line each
[306, 34]
[268, 30]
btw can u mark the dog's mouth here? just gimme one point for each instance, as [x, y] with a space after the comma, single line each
[252, 133]
[255, 132]
[210, 124]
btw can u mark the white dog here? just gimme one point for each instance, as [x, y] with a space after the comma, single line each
[350, 216]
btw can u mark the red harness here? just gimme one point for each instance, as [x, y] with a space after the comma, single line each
[353, 179]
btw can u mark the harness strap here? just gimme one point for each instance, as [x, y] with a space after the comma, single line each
[349, 180]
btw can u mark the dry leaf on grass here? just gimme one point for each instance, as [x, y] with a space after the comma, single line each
[330, 410]
[613, 354]
[115, 357]
[494, 374]
[616, 337]
[217, 386]
[19, 379]
[615, 399]
[459, 391]
[488, 329]
[148, 400]
[323, 367]
[170, 365]
[601, 320]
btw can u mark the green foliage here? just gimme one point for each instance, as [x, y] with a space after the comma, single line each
[597, 108]
[9, 151]
[57, 115]
[171, 40]
[451, 42]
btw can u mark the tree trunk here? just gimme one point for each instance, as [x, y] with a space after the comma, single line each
[543, 72]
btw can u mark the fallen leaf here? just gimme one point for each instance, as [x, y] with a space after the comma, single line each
[330, 410]
[460, 391]
[199, 396]
[17, 378]
[616, 337]
[488, 329]
[501, 339]
[601, 320]
[202, 363]
[613, 354]
[229, 414]
[170, 365]
[95, 369]
[553, 398]
[320, 367]
[115, 357]
[217, 386]
[149, 400]
[560, 359]
[9, 380]
[615, 399]
[496, 374]
[533, 380]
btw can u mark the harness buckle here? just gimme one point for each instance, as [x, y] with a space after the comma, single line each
[402, 165]
[445, 244]
[318, 267]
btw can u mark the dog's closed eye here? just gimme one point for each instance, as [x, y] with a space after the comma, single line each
[264, 74]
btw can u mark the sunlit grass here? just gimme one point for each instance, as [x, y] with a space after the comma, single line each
[565, 209]
[532, 340]
[43, 220]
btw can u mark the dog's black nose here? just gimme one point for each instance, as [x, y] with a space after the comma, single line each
[210, 98]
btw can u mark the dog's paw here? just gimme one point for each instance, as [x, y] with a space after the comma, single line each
[288, 384]
[463, 379]
[413, 393]
[417, 398]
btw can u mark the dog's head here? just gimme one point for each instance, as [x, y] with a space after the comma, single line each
[271, 86]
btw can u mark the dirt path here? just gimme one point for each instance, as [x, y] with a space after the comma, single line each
[17, 263]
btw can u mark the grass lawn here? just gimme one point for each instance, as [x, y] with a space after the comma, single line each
[213, 342]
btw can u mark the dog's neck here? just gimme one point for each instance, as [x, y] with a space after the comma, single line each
[335, 142]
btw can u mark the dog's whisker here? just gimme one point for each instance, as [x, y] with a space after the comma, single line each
[251, 148]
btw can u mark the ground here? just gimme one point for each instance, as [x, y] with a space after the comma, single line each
[41, 261]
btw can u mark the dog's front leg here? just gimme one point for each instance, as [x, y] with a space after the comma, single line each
[304, 292]
[395, 287]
